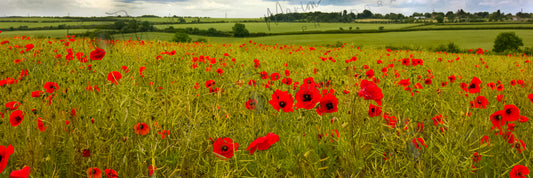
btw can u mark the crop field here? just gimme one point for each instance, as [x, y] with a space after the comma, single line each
[5, 25]
[43, 33]
[476, 26]
[281, 27]
[251, 108]
[465, 39]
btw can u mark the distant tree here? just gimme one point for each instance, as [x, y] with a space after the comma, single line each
[427, 15]
[496, 16]
[239, 30]
[146, 26]
[507, 41]
[119, 24]
[450, 16]
[440, 18]
[366, 14]
[181, 37]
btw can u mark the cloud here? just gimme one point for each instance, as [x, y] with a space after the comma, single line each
[249, 8]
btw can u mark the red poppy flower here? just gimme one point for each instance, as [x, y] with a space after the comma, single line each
[29, 47]
[370, 73]
[519, 171]
[475, 85]
[428, 81]
[141, 70]
[287, 81]
[263, 143]
[480, 102]
[485, 139]
[497, 119]
[51, 87]
[416, 142]
[370, 91]
[519, 145]
[509, 137]
[264, 75]
[374, 110]
[420, 127]
[209, 83]
[141, 128]
[151, 170]
[452, 78]
[513, 82]
[224, 148]
[86, 153]
[252, 83]
[40, 124]
[16, 118]
[220, 71]
[391, 120]
[110, 173]
[274, 76]
[328, 102]
[523, 119]
[307, 97]
[406, 62]
[94, 172]
[404, 82]
[164, 133]
[250, 104]
[13, 105]
[125, 68]
[282, 100]
[511, 113]
[97, 54]
[418, 86]
[114, 77]
[22, 173]
[530, 96]
[5, 152]
[437, 120]
[476, 157]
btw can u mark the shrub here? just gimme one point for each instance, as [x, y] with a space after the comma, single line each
[450, 47]
[507, 41]
[239, 30]
[181, 37]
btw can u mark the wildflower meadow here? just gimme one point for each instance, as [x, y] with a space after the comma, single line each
[88, 107]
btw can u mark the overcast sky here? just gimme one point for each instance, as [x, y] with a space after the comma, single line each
[248, 8]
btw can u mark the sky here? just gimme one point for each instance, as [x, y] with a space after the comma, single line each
[247, 8]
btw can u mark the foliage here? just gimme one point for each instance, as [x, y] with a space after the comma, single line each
[181, 37]
[239, 30]
[450, 47]
[507, 41]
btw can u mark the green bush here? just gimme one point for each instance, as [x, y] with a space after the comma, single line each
[239, 30]
[507, 41]
[181, 37]
[450, 47]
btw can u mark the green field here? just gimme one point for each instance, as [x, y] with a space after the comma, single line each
[43, 33]
[466, 39]
[6, 25]
[290, 27]
[191, 19]
[475, 26]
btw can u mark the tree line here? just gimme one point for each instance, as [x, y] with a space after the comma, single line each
[450, 16]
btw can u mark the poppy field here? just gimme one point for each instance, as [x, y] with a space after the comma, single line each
[77, 107]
